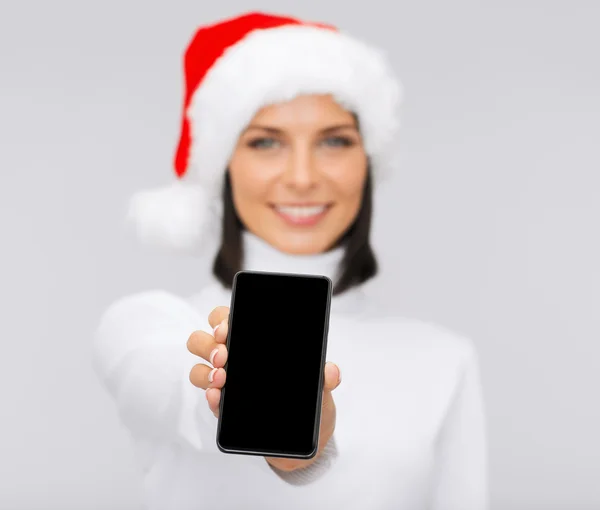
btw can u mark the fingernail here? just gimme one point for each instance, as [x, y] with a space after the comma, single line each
[213, 354]
[211, 374]
[339, 375]
[215, 330]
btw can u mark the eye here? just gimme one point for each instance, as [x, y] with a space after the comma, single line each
[263, 143]
[339, 141]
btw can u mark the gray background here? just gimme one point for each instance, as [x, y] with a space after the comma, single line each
[490, 226]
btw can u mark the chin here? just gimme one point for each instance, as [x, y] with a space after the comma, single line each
[300, 244]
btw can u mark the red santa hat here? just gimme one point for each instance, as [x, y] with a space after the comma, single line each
[232, 69]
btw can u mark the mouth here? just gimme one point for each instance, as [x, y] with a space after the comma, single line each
[302, 214]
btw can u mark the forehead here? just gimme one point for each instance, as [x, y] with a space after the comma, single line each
[304, 112]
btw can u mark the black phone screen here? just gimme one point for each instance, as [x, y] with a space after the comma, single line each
[277, 341]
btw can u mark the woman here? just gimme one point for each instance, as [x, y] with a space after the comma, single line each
[287, 127]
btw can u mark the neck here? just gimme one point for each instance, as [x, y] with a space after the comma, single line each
[261, 256]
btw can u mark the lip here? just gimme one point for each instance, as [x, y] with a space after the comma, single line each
[303, 220]
[301, 204]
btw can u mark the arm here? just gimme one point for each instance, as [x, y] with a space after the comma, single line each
[461, 454]
[140, 355]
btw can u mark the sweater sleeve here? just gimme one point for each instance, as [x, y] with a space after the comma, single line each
[313, 472]
[140, 356]
[460, 481]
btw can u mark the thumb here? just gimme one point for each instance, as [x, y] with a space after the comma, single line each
[332, 376]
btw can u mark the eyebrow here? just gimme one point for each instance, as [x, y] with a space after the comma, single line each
[274, 130]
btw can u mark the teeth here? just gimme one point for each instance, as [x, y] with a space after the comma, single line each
[301, 212]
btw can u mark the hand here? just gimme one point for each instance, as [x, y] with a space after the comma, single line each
[212, 348]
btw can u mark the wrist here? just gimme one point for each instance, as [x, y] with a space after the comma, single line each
[289, 465]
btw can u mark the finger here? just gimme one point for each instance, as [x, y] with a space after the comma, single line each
[213, 397]
[220, 333]
[203, 376]
[218, 315]
[204, 345]
[332, 376]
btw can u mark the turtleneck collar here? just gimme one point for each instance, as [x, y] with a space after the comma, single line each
[261, 256]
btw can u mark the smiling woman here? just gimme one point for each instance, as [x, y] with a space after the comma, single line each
[287, 158]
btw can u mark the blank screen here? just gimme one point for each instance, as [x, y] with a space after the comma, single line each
[277, 338]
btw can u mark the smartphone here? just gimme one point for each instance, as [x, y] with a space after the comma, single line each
[277, 346]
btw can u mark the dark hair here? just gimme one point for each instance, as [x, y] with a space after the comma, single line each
[358, 263]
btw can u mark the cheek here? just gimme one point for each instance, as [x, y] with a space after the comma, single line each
[250, 183]
[245, 189]
[348, 181]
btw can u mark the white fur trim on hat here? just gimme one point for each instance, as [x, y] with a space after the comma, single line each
[278, 64]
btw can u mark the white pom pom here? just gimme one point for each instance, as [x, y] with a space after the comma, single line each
[172, 217]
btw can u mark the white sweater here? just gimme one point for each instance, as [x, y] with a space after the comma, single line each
[410, 428]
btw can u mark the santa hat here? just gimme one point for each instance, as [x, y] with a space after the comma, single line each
[232, 69]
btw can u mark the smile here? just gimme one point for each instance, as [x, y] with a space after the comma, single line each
[306, 215]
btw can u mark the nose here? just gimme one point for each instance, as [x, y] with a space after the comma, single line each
[301, 172]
